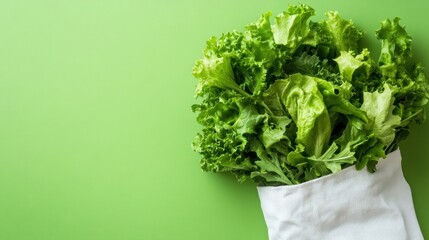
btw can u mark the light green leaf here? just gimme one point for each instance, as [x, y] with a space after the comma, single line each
[395, 47]
[344, 34]
[305, 105]
[381, 121]
[291, 26]
[274, 130]
[347, 64]
[214, 71]
[248, 119]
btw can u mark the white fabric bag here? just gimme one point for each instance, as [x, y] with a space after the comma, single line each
[345, 205]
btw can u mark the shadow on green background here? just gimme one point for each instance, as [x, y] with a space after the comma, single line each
[96, 126]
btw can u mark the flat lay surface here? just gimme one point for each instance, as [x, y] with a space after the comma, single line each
[96, 123]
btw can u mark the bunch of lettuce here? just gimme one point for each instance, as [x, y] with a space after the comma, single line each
[291, 101]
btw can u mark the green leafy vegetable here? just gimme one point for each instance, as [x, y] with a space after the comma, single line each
[290, 101]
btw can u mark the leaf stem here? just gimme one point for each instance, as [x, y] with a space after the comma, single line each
[267, 108]
[413, 115]
[246, 94]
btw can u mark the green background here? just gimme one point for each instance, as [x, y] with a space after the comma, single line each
[96, 126]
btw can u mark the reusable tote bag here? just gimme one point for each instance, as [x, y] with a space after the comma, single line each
[345, 205]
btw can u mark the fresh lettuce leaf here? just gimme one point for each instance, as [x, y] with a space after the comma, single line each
[395, 47]
[379, 109]
[344, 35]
[291, 26]
[293, 100]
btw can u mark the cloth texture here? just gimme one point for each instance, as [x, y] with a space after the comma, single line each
[349, 204]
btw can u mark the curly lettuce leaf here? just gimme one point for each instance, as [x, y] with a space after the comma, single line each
[348, 64]
[269, 170]
[291, 28]
[288, 102]
[344, 34]
[304, 103]
[379, 109]
[215, 72]
[395, 47]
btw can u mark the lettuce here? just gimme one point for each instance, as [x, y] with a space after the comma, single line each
[291, 101]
